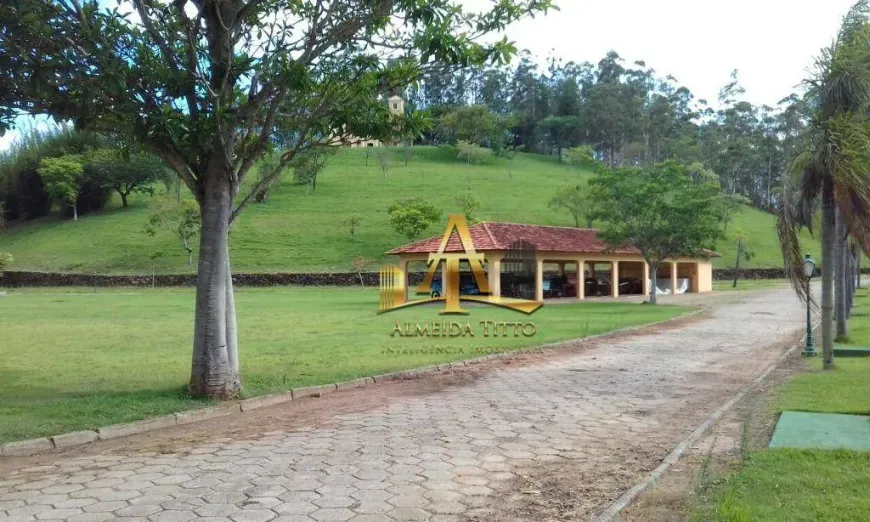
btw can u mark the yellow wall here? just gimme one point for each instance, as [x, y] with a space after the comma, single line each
[705, 276]
[699, 271]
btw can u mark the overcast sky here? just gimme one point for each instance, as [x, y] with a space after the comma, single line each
[771, 43]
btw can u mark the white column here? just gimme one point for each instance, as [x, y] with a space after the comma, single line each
[494, 277]
[581, 279]
[674, 278]
[405, 277]
[539, 281]
[645, 279]
[614, 278]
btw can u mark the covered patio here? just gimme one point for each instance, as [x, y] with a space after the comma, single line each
[540, 262]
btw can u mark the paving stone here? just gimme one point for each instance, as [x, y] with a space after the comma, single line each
[216, 510]
[407, 514]
[172, 516]
[93, 517]
[295, 507]
[436, 457]
[254, 515]
[104, 507]
[58, 514]
[332, 514]
[138, 510]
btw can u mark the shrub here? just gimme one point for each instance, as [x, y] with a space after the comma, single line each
[5, 260]
[411, 217]
[472, 153]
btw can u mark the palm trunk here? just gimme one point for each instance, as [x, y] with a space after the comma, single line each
[213, 374]
[829, 225]
[840, 276]
[850, 280]
[75, 210]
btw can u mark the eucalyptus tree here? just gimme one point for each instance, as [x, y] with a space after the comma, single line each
[204, 84]
[834, 170]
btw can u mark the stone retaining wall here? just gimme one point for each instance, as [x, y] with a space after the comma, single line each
[19, 278]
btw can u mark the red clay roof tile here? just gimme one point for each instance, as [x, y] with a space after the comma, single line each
[499, 236]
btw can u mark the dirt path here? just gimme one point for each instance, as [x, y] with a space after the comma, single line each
[549, 438]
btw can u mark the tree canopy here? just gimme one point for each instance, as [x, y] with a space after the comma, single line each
[206, 85]
[659, 210]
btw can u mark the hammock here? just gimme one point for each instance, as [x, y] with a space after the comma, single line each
[664, 286]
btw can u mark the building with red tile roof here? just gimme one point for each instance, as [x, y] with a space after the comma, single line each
[618, 270]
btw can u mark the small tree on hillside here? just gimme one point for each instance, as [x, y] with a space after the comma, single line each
[411, 217]
[179, 218]
[470, 205]
[385, 160]
[359, 266]
[352, 223]
[578, 201]
[472, 153]
[63, 178]
[742, 253]
[125, 175]
[510, 153]
[659, 211]
[581, 158]
[309, 164]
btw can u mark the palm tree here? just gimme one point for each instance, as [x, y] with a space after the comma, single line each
[834, 172]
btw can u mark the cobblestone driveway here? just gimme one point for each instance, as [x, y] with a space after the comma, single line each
[615, 408]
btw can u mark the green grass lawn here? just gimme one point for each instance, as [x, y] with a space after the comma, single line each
[750, 284]
[793, 485]
[302, 231]
[72, 359]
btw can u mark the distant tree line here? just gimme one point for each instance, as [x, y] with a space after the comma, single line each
[628, 115]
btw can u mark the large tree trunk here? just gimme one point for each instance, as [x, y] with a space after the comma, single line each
[214, 372]
[840, 277]
[232, 330]
[829, 225]
[123, 199]
[654, 284]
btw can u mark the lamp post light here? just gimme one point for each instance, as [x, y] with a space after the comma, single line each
[809, 272]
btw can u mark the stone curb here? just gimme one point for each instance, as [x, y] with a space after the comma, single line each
[77, 438]
[187, 417]
[26, 447]
[265, 400]
[132, 428]
[612, 511]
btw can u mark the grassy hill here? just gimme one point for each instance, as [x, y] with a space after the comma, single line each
[301, 231]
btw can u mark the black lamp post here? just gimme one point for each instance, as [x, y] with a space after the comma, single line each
[809, 272]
